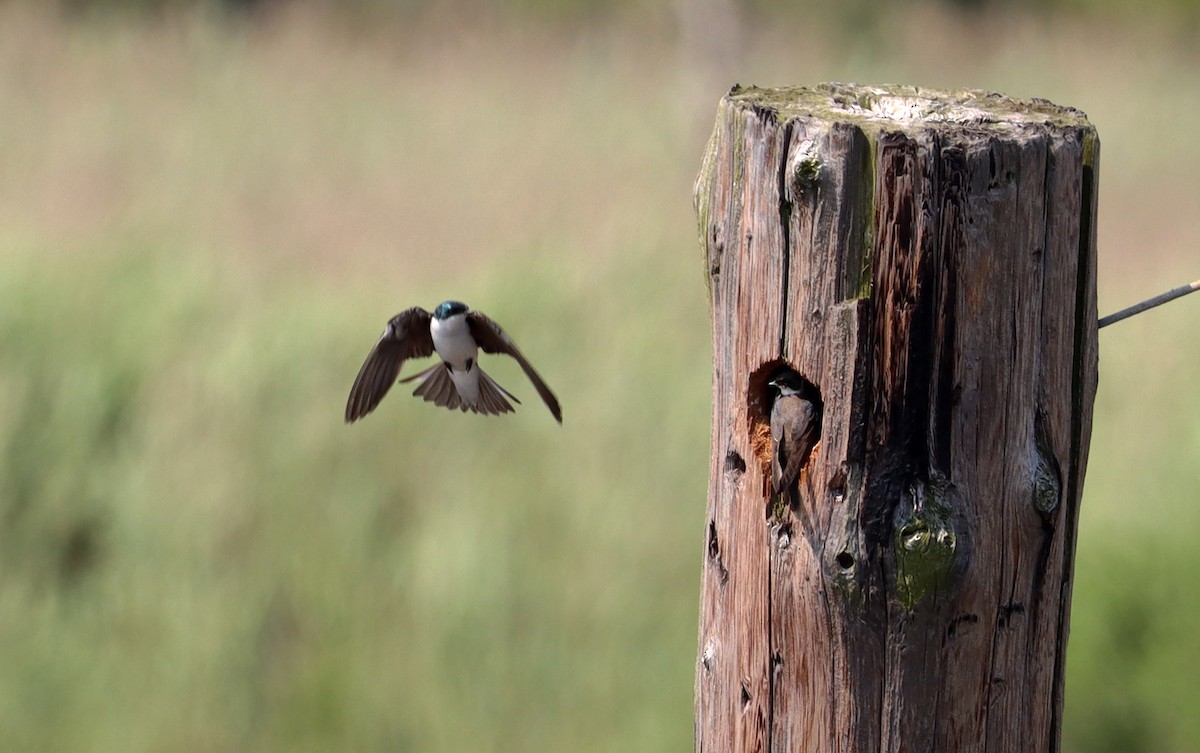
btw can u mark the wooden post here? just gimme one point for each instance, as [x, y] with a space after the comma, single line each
[926, 260]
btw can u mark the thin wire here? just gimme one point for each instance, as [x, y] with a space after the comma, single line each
[1150, 303]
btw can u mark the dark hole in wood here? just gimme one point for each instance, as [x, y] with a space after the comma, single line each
[734, 462]
[845, 560]
[784, 535]
[837, 484]
[760, 398]
[761, 395]
[745, 696]
[714, 553]
[969, 619]
[1007, 611]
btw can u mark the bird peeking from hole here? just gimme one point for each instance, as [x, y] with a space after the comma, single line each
[795, 429]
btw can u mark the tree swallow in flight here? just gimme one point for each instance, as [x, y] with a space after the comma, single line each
[795, 428]
[457, 334]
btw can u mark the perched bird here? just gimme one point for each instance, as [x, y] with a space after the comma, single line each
[795, 428]
[456, 334]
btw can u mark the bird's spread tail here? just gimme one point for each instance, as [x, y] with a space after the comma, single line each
[438, 388]
[492, 397]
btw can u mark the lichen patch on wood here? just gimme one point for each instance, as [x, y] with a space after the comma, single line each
[896, 107]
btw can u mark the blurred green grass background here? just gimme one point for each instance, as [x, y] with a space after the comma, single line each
[205, 219]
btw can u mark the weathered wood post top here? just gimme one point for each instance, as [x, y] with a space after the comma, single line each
[917, 268]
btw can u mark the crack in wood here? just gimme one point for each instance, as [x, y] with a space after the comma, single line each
[785, 226]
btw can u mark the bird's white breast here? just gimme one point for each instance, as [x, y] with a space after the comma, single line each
[453, 341]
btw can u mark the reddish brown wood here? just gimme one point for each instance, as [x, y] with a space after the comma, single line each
[927, 259]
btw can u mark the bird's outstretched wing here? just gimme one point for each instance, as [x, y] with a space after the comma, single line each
[407, 336]
[492, 339]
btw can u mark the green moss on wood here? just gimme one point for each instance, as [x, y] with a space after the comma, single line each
[861, 288]
[924, 542]
[807, 175]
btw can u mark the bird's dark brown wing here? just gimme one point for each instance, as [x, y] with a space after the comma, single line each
[407, 336]
[794, 431]
[492, 339]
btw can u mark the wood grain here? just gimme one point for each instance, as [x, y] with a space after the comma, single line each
[927, 259]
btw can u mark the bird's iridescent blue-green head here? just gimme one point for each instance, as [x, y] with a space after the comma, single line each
[447, 309]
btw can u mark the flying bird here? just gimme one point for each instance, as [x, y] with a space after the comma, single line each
[795, 428]
[456, 334]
